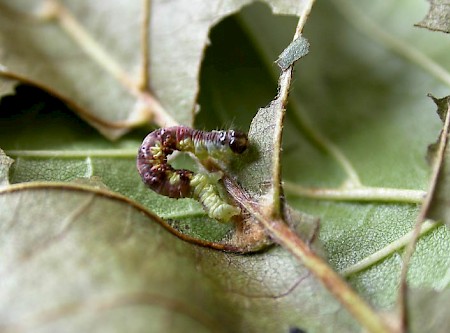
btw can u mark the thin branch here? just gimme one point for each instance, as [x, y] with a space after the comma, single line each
[284, 84]
[359, 193]
[388, 250]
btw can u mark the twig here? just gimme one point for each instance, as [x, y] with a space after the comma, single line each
[300, 120]
[284, 84]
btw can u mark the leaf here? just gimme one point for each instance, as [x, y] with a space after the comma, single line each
[426, 311]
[438, 209]
[258, 171]
[359, 103]
[71, 151]
[92, 254]
[296, 50]
[6, 86]
[363, 96]
[81, 46]
[5, 164]
[438, 16]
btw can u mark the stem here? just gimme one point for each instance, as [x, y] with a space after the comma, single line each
[359, 193]
[298, 118]
[360, 310]
[284, 84]
[282, 234]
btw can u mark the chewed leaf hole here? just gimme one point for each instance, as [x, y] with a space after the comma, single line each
[235, 81]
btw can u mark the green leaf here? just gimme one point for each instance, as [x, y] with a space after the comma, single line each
[371, 103]
[53, 145]
[99, 262]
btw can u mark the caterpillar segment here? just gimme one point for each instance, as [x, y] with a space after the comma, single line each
[205, 191]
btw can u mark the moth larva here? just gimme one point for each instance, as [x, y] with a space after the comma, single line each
[161, 177]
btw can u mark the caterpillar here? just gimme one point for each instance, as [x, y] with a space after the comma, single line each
[162, 178]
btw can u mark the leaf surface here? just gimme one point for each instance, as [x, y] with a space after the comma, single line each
[67, 46]
[93, 254]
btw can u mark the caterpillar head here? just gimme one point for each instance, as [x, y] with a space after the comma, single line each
[237, 141]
